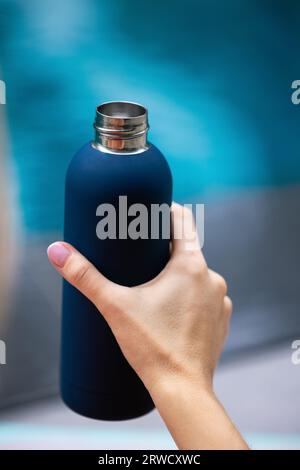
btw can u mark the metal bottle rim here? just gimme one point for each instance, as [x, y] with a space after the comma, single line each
[121, 119]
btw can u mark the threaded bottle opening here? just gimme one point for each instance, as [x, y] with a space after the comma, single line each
[121, 109]
[121, 126]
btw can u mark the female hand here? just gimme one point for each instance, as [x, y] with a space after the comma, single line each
[171, 330]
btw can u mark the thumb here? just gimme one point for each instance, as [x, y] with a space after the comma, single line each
[76, 269]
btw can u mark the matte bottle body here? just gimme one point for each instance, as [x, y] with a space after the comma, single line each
[96, 379]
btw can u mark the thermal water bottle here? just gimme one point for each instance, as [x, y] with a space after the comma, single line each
[119, 169]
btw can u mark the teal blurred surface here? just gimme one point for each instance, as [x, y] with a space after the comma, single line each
[216, 77]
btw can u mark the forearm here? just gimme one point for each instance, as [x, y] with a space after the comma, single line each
[194, 417]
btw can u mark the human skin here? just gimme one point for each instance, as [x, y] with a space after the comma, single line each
[171, 330]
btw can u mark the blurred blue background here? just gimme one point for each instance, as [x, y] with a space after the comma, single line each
[216, 77]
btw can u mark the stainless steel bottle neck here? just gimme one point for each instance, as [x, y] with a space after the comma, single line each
[121, 127]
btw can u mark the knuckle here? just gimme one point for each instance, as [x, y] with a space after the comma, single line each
[191, 262]
[220, 284]
[79, 275]
[228, 306]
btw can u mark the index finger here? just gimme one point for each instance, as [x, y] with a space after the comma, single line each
[184, 231]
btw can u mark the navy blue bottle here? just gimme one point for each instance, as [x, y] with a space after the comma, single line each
[96, 379]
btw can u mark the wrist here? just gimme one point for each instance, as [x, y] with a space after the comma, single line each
[170, 387]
